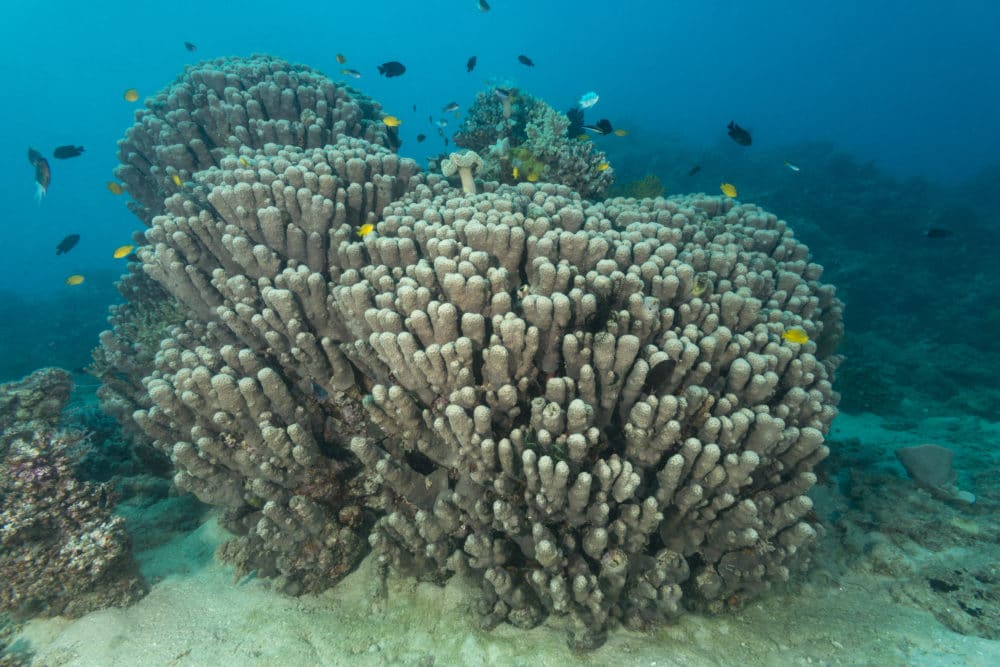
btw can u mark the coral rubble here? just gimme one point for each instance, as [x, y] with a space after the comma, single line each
[62, 550]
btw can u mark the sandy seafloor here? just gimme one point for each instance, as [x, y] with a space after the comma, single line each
[196, 614]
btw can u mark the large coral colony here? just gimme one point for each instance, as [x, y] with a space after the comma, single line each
[586, 406]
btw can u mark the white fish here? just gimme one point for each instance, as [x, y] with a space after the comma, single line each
[588, 100]
[793, 167]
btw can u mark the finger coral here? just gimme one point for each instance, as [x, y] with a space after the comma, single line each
[588, 406]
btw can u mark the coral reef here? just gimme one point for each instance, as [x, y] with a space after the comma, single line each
[511, 129]
[530, 387]
[647, 187]
[216, 108]
[62, 550]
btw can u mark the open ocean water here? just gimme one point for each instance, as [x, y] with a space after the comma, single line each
[870, 128]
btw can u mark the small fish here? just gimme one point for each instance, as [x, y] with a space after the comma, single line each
[414, 108]
[532, 177]
[621, 133]
[67, 244]
[658, 376]
[694, 170]
[122, 251]
[470, 64]
[43, 175]
[729, 190]
[319, 392]
[245, 161]
[738, 134]
[503, 93]
[421, 137]
[391, 121]
[603, 126]
[351, 72]
[603, 166]
[365, 229]
[75, 279]
[515, 173]
[938, 233]
[701, 283]
[341, 58]
[190, 47]
[795, 335]
[582, 137]
[131, 95]
[588, 100]
[442, 123]
[114, 188]
[66, 152]
[391, 69]
[525, 60]
[793, 167]
[450, 107]
[177, 180]
[483, 5]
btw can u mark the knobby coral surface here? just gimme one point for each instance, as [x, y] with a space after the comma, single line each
[588, 406]
[514, 129]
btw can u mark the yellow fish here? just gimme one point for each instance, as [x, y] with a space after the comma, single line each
[244, 161]
[729, 190]
[532, 177]
[582, 137]
[603, 166]
[131, 95]
[515, 173]
[341, 59]
[115, 188]
[795, 336]
[122, 251]
[620, 132]
[391, 121]
[366, 229]
[74, 279]
[177, 180]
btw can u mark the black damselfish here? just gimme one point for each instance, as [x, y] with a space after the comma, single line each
[470, 64]
[525, 60]
[67, 244]
[66, 152]
[391, 69]
[739, 135]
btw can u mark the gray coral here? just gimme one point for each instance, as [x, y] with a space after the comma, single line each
[505, 344]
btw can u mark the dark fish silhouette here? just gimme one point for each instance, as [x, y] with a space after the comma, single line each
[525, 60]
[451, 106]
[739, 135]
[484, 6]
[658, 377]
[694, 170]
[421, 137]
[66, 152]
[43, 175]
[391, 69]
[67, 244]
[189, 46]
[938, 233]
[603, 126]
[470, 64]
[575, 117]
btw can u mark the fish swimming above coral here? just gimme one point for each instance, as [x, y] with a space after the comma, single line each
[738, 134]
[43, 175]
[67, 244]
[603, 126]
[588, 100]
[525, 60]
[391, 69]
[483, 5]
[190, 47]
[470, 64]
[66, 152]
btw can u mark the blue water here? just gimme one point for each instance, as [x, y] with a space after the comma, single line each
[911, 85]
